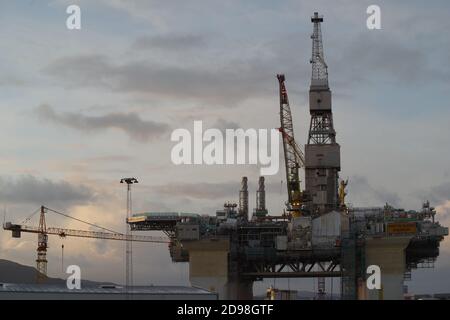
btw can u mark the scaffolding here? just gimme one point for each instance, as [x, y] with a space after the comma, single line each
[352, 263]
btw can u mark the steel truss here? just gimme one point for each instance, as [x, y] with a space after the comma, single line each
[295, 270]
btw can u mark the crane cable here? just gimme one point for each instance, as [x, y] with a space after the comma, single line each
[88, 223]
[31, 216]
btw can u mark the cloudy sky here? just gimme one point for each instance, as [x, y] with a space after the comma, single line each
[81, 109]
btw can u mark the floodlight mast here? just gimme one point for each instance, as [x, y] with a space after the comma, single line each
[129, 244]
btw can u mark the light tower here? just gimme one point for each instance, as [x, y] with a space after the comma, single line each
[129, 245]
[322, 153]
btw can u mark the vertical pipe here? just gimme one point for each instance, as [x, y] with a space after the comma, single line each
[243, 199]
[261, 195]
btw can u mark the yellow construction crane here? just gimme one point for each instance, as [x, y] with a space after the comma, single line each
[43, 231]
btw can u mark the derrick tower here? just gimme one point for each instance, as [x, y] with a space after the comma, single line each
[322, 153]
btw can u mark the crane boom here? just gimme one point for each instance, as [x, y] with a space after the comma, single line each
[63, 232]
[293, 155]
[300, 157]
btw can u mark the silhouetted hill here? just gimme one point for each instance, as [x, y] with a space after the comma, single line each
[12, 272]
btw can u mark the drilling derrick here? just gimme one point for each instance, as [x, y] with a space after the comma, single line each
[322, 153]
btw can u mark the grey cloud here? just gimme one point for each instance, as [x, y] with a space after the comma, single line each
[202, 190]
[441, 192]
[109, 158]
[359, 57]
[211, 191]
[31, 190]
[83, 70]
[436, 194]
[228, 84]
[369, 54]
[6, 81]
[130, 123]
[223, 124]
[359, 187]
[171, 42]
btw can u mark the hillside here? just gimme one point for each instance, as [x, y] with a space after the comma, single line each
[12, 272]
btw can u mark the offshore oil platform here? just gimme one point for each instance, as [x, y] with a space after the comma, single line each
[317, 236]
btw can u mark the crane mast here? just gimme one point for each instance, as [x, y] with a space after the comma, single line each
[41, 260]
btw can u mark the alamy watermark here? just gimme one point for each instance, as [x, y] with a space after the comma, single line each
[236, 146]
[373, 21]
[374, 279]
[74, 280]
[73, 21]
